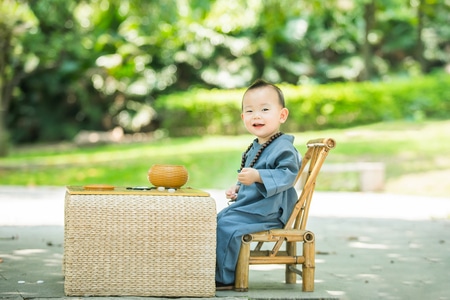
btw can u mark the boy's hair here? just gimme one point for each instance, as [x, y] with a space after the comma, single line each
[262, 83]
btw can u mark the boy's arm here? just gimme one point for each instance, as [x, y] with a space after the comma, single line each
[282, 176]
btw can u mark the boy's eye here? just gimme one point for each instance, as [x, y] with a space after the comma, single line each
[249, 111]
[265, 109]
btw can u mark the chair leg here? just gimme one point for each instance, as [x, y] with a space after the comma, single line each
[291, 276]
[308, 266]
[242, 268]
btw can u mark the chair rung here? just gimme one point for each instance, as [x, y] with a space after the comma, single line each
[295, 270]
[273, 235]
[256, 253]
[263, 260]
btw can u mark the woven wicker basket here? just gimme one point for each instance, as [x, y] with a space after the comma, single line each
[168, 176]
[139, 245]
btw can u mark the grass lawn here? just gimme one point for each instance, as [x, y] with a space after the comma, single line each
[416, 157]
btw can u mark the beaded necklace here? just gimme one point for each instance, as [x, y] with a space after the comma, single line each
[258, 154]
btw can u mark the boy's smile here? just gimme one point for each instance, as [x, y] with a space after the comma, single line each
[258, 125]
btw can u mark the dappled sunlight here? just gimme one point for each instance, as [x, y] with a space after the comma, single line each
[336, 293]
[31, 264]
[266, 267]
[368, 276]
[414, 246]
[394, 255]
[362, 245]
[6, 257]
[23, 254]
[55, 260]
[29, 251]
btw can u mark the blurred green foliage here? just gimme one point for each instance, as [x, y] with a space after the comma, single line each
[336, 105]
[69, 65]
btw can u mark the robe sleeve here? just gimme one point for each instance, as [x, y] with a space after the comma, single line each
[280, 173]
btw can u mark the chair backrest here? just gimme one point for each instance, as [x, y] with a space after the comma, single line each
[312, 162]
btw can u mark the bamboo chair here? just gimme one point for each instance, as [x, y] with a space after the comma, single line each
[294, 231]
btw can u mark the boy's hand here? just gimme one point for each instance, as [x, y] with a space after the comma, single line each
[248, 176]
[231, 193]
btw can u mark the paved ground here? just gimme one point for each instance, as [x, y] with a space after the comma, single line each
[369, 246]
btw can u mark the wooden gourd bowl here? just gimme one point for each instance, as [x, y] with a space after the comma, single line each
[168, 176]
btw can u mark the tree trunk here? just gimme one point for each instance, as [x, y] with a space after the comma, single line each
[369, 18]
[5, 43]
[4, 135]
[420, 48]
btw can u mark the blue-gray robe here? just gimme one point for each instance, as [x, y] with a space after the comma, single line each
[259, 206]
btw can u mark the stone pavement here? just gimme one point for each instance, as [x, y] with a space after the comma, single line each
[369, 246]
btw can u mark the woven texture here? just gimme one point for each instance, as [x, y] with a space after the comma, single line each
[133, 245]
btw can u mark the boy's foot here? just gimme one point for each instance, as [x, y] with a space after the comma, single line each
[224, 287]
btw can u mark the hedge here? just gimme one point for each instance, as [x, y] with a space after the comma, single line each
[312, 107]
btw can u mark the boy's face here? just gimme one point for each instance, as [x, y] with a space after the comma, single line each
[262, 112]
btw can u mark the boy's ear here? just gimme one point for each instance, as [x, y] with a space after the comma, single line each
[284, 115]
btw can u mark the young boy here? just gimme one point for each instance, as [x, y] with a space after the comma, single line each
[264, 195]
